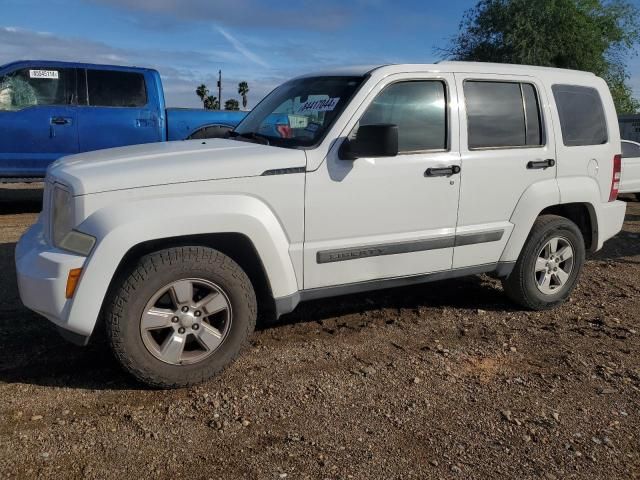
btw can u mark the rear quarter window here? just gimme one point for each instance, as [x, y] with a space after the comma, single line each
[581, 113]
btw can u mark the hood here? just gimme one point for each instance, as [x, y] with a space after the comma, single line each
[170, 162]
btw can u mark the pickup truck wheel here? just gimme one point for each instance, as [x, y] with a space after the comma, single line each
[180, 316]
[549, 265]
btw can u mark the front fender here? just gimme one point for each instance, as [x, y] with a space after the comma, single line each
[120, 227]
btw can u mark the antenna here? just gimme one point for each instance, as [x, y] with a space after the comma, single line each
[219, 89]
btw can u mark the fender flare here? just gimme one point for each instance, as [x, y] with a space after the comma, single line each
[121, 226]
[545, 194]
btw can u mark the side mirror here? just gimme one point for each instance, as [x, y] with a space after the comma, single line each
[371, 141]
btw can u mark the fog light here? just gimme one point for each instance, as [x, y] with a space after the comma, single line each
[72, 281]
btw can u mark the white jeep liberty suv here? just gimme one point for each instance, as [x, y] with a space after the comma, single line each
[338, 182]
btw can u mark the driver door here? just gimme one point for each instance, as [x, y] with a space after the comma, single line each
[40, 125]
[376, 219]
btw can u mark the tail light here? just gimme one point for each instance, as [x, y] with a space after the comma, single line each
[284, 131]
[617, 174]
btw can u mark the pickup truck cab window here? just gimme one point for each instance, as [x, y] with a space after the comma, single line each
[107, 88]
[418, 108]
[299, 112]
[30, 87]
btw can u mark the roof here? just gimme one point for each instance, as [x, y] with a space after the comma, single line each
[59, 64]
[449, 66]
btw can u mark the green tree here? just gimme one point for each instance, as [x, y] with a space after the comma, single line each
[211, 103]
[202, 92]
[591, 35]
[243, 90]
[232, 104]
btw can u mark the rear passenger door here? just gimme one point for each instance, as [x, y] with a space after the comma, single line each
[506, 146]
[117, 110]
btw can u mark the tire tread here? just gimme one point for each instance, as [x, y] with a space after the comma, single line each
[516, 285]
[153, 263]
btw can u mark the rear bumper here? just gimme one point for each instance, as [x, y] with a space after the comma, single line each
[42, 272]
[610, 221]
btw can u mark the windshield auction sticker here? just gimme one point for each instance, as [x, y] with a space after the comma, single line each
[326, 105]
[51, 74]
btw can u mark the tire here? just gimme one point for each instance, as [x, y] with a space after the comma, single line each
[637, 197]
[528, 287]
[156, 341]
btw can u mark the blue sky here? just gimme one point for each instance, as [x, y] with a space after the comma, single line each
[261, 42]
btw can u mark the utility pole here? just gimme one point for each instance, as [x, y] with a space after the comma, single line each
[219, 89]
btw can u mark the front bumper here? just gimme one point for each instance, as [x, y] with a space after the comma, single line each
[42, 272]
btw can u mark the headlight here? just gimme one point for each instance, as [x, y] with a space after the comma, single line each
[61, 214]
[62, 221]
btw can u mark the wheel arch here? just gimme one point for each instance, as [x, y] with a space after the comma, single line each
[574, 198]
[236, 246]
[242, 227]
[582, 214]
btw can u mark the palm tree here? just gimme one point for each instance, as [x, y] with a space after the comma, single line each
[211, 102]
[202, 91]
[243, 89]
[231, 104]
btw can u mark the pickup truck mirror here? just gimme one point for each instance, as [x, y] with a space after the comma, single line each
[371, 141]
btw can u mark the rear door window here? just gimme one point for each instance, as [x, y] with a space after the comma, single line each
[37, 86]
[116, 89]
[582, 117]
[502, 114]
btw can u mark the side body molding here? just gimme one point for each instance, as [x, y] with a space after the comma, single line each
[121, 226]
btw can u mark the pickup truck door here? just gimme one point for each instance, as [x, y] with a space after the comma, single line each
[384, 218]
[118, 108]
[38, 121]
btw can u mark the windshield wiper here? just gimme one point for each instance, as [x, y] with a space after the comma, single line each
[251, 136]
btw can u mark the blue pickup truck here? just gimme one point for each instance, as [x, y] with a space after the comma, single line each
[52, 109]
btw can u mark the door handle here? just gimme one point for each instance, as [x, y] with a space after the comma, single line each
[541, 164]
[59, 121]
[442, 171]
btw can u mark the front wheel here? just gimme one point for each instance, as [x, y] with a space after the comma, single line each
[549, 265]
[180, 316]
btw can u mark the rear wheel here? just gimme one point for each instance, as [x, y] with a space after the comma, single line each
[181, 316]
[549, 265]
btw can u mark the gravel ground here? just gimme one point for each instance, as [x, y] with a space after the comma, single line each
[446, 380]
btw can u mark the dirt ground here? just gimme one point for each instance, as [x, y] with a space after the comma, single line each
[445, 380]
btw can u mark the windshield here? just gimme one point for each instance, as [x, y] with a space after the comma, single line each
[299, 112]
